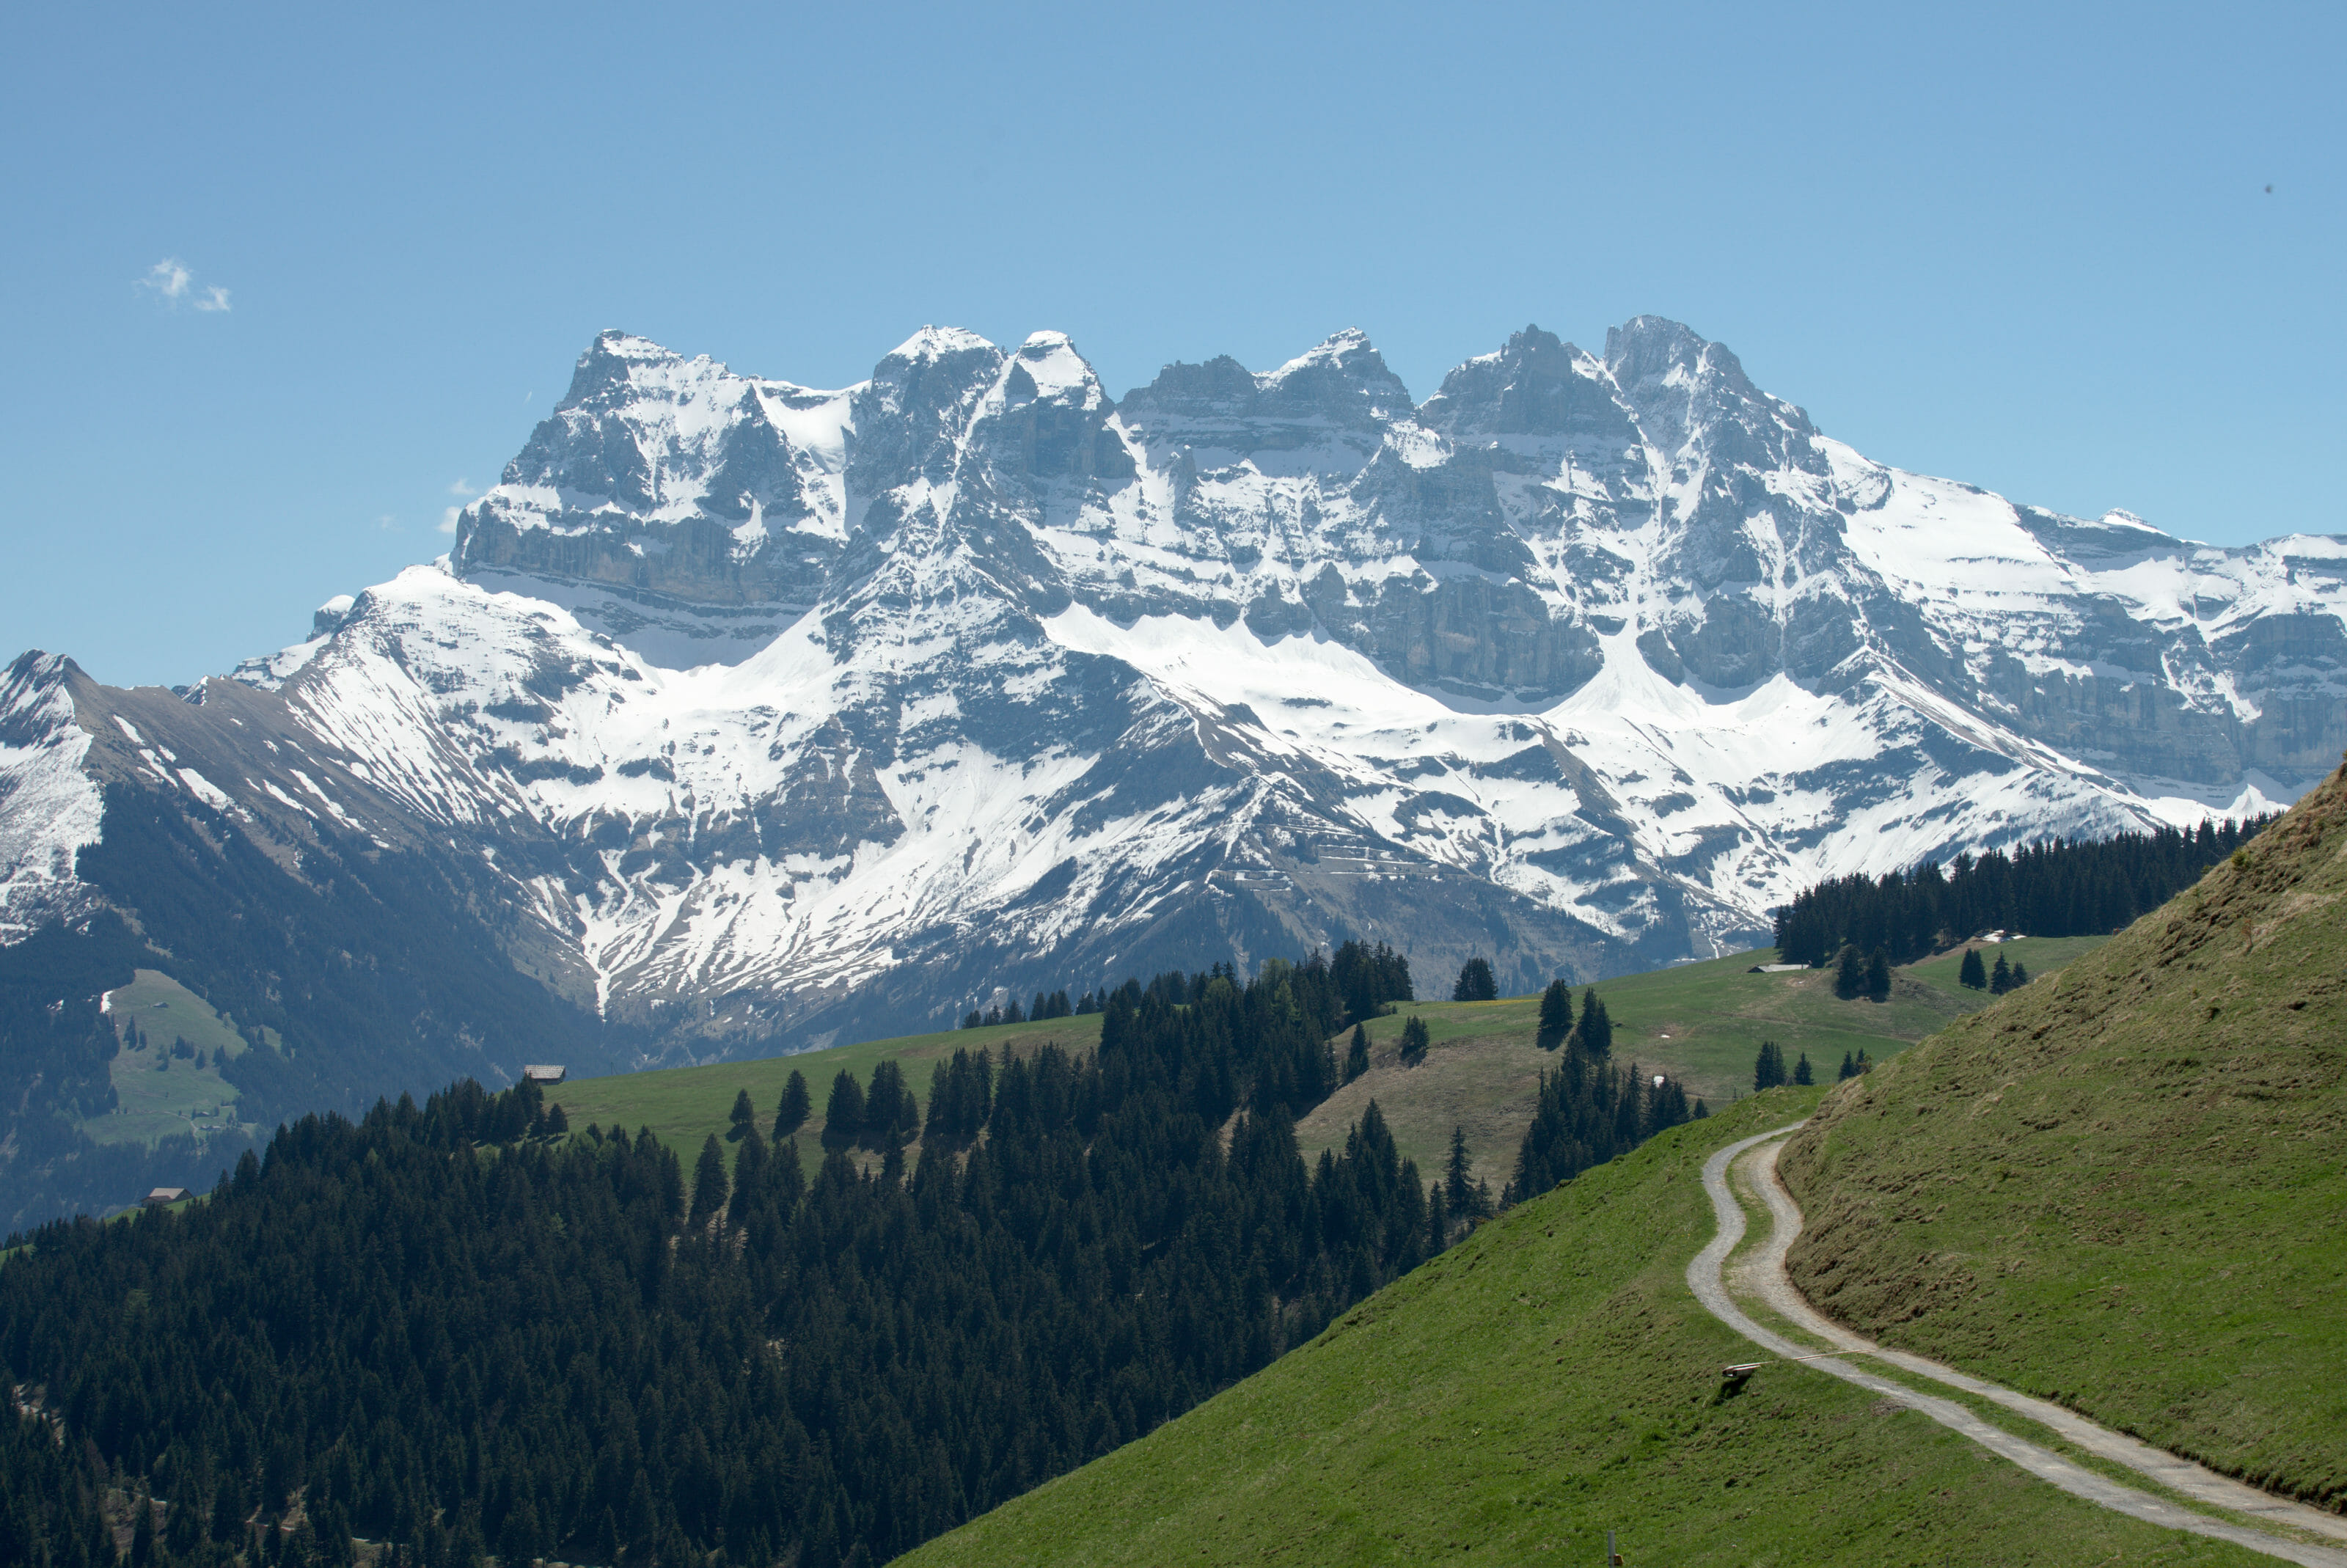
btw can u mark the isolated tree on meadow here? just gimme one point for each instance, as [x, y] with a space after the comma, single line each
[1556, 1015]
[2000, 980]
[1357, 1054]
[1801, 1073]
[1414, 1041]
[1970, 972]
[1476, 983]
[1878, 976]
[2020, 975]
[1769, 1066]
[742, 1117]
[791, 1114]
[1849, 1068]
[1849, 974]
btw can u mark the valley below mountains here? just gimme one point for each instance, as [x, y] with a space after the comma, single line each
[744, 717]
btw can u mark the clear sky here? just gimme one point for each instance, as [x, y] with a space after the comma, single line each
[280, 284]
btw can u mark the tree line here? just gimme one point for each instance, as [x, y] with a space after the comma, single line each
[2057, 888]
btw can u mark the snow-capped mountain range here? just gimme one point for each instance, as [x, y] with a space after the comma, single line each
[762, 716]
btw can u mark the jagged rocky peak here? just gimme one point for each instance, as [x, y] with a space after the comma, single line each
[1538, 386]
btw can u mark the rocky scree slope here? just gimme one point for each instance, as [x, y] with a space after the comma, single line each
[763, 716]
[2122, 1188]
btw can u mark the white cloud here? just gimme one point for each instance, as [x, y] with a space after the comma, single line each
[170, 280]
[461, 488]
[448, 519]
[169, 277]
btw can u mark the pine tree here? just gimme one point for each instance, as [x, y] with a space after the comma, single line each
[1801, 1073]
[709, 1183]
[973, 1019]
[1414, 1041]
[1864, 1066]
[1357, 1054]
[1769, 1066]
[2020, 975]
[1596, 1027]
[1556, 1015]
[1849, 974]
[791, 1114]
[1476, 983]
[843, 1114]
[1463, 1195]
[2000, 980]
[1849, 1068]
[742, 1117]
[1878, 975]
[1972, 972]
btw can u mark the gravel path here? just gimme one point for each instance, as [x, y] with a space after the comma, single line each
[1764, 1276]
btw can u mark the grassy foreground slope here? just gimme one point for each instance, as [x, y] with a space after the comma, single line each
[1547, 1380]
[2126, 1188]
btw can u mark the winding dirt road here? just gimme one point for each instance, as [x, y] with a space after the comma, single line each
[1763, 1276]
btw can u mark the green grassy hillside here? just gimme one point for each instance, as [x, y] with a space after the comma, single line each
[684, 1104]
[1702, 1023]
[1547, 1380]
[158, 1093]
[2123, 1188]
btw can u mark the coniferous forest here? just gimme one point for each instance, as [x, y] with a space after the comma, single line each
[465, 1330]
[2059, 887]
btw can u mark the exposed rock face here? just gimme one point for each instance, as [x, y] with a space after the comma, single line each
[785, 713]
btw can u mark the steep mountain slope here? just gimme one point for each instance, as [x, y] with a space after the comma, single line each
[765, 716]
[2122, 1189]
[1545, 1381]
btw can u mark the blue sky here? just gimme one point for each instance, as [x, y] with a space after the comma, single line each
[2028, 247]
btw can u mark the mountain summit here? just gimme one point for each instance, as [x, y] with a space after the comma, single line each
[759, 715]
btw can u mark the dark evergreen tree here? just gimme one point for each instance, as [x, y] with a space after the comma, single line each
[891, 1117]
[1414, 1041]
[1357, 1054]
[843, 1113]
[1011, 1012]
[1769, 1066]
[741, 1118]
[709, 1179]
[973, 1019]
[1878, 975]
[1596, 1031]
[1849, 974]
[1971, 973]
[2000, 980]
[1849, 1068]
[2020, 975]
[1463, 1196]
[1801, 1073]
[1368, 977]
[1476, 982]
[1863, 1065]
[1555, 1016]
[791, 1114]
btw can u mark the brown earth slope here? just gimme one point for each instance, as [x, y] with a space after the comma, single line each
[2122, 1188]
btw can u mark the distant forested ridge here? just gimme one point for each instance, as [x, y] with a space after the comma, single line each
[459, 1329]
[2059, 887]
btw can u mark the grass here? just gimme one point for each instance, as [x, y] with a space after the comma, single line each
[1547, 1380]
[2124, 1189]
[683, 1105]
[2043, 955]
[156, 1094]
[1703, 1023]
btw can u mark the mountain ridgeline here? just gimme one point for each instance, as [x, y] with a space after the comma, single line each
[462, 1328]
[744, 717]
